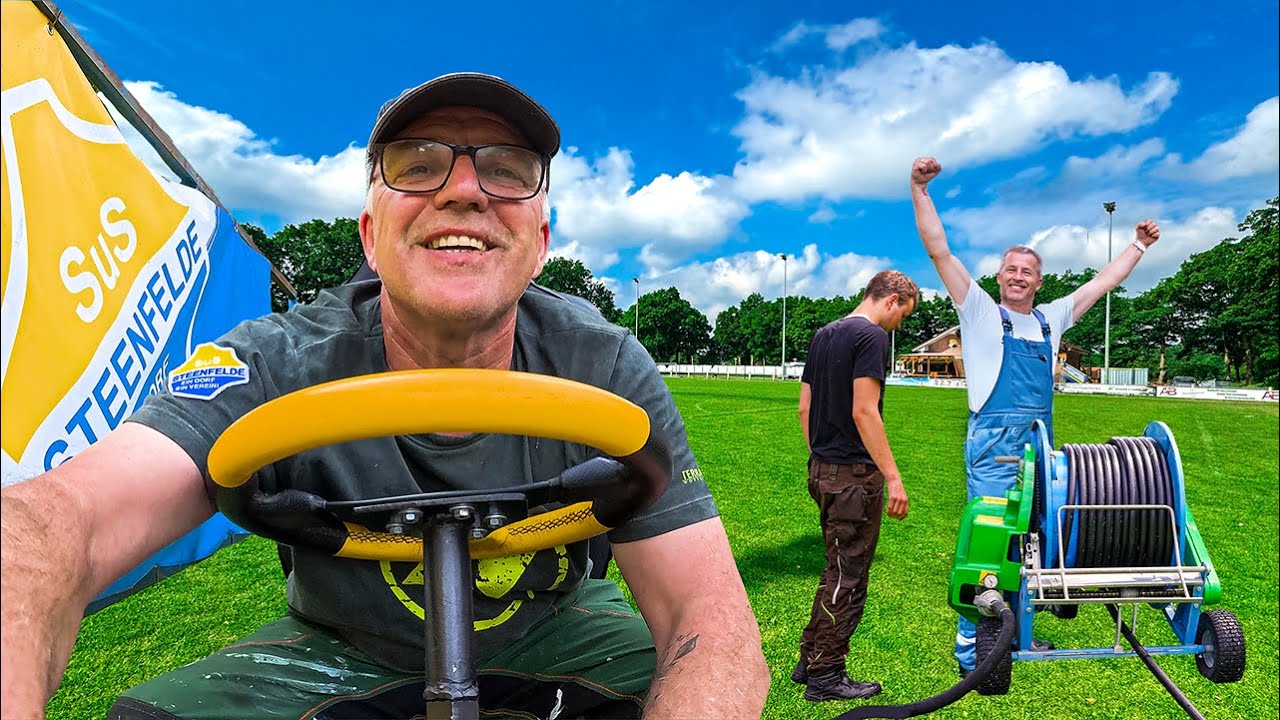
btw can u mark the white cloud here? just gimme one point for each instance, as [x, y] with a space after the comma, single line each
[823, 215]
[852, 131]
[842, 37]
[1076, 247]
[599, 208]
[1253, 150]
[1119, 162]
[595, 259]
[1062, 216]
[833, 133]
[714, 285]
[794, 36]
[836, 37]
[245, 172]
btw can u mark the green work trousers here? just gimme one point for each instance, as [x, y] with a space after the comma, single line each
[592, 657]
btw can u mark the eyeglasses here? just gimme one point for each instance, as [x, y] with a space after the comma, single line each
[418, 165]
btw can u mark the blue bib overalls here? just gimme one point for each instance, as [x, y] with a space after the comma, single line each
[1023, 394]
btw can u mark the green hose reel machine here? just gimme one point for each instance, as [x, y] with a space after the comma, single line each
[1095, 525]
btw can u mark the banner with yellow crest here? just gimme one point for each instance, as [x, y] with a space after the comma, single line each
[112, 276]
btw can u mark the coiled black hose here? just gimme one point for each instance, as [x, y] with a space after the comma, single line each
[1124, 471]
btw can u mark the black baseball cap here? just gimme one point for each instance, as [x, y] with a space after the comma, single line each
[474, 90]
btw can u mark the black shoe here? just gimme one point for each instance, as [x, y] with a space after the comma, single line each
[1040, 645]
[838, 686]
[800, 675]
[964, 673]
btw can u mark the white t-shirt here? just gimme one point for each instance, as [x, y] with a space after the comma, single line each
[981, 332]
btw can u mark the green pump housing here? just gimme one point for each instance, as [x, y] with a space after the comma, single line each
[987, 545]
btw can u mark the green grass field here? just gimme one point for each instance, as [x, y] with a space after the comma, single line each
[748, 442]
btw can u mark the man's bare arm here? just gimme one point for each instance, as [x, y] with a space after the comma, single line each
[866, 415]
[806, 397]
[710, 663]
[70, 533]
[953, 273]
[1108, 278]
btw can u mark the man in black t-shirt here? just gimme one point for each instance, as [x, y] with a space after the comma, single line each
[850, 465]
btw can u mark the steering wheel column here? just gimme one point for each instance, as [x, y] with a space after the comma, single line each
[452, 690]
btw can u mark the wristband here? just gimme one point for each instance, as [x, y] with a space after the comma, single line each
[1141, 248]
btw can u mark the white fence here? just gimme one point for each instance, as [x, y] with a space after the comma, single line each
[793, 372]
[1164, 391]
[795, 369]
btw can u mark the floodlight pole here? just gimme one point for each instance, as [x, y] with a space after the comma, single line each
[784, 315]
[1110, 207]
[636, 280]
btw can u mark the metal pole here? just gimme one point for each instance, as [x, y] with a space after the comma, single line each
[1110, 207]
[784, 315]
[637, 282]
[451, 689]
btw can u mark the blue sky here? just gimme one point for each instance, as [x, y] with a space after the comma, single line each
[702, 139]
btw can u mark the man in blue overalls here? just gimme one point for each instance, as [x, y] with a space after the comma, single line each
[1009, 350]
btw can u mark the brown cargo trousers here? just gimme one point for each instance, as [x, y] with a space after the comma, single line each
[850, 502]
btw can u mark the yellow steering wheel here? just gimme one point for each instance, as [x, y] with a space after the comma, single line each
[594, 496]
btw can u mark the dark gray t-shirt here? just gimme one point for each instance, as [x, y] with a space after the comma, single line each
[378, 606]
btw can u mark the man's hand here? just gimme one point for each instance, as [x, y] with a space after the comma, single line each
[1147, 232]
[897, 507]
[924, 170]
[953, 273]
[1113, 273]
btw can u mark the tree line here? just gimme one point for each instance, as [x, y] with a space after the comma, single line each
[1216, 317]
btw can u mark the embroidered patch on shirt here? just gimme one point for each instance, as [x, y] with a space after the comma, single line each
[210, 370]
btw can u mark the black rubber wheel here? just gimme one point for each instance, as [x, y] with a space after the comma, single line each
[997, 682]
[1223, 659]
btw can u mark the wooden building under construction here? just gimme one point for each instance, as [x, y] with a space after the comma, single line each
[940, 357]
[937, 357]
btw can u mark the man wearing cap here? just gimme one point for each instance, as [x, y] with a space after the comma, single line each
[1009, 349]
[455, 226]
